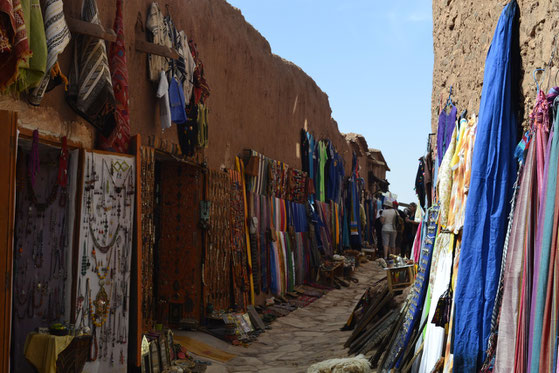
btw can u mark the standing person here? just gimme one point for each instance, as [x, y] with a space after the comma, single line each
[410, 228]
[388, 230]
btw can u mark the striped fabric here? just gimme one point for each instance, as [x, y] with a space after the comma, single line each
[158, 35]
[57, 36]
[91, 90]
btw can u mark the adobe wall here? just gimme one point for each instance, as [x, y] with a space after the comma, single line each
[258, 100]
[462, 34]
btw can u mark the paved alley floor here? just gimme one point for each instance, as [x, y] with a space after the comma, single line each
[305, 336]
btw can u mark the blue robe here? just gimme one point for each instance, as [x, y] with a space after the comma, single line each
[487, 208]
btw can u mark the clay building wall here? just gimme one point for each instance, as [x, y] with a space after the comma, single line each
[258, 100]
[462, 34]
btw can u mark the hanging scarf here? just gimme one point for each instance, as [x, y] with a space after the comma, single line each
[120, 137]
[491, 186]
[30, 74]
[90, 92]
[57, 38]
[14, 45]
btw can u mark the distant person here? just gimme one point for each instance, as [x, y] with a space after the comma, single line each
[410, 228]
[388, 230]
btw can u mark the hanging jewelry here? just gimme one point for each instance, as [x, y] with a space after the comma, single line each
[102, 306]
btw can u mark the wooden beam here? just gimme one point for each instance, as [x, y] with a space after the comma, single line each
[151, 48]
[136, 145]
[95, 30]
[8, 149]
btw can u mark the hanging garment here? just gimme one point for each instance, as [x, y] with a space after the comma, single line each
[119, 139]
[202, 121]
[493, 172]
[447, 122]
[418, 294]
[158, 34]
[185, 58]
[57, 37]
[164, 102]
[176, 102]
[14, 44]
[513, 315]
[543, 254]
[420, 183]
[91, 92]
[461, 165]
[440, 277]
[31, 73]
[444, 181]
[201, 87]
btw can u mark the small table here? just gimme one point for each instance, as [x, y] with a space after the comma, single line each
[42, 350]
[401, 277]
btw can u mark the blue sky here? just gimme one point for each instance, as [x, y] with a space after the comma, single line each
[374, 59]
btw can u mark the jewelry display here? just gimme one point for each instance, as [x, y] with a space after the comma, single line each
[106, 243]
[148, 234]
[40, 242]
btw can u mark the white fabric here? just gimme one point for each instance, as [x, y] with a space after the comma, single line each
[164, 105]
[435, 335]
[358, 364]
[190, 65]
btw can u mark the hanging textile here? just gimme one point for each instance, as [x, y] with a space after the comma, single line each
[461, 165]
[158, 34]
[493, 172]
[120, 137]
[447, 123]
[444, 181]
[513, 315]
[419, 289]
[544, 255]
[14, 44]
[57, 38]
[217, 259]
[90, 92]
[239, 260]
[31, 72]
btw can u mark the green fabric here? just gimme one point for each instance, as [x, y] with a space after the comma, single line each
[31, 73]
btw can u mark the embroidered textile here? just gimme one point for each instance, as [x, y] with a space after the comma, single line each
[120, 137]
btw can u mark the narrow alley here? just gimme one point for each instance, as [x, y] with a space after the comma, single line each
[306, 336]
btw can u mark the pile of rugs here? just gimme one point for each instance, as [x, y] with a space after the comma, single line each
[240, 328]
[373, 322]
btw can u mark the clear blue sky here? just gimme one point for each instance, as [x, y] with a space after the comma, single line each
[374, 59]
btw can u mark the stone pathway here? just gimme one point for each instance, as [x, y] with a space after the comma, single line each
[307, 335]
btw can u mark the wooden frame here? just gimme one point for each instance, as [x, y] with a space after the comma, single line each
[8, 143]
[135, 146]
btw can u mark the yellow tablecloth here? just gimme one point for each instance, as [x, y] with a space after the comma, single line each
[42, 350]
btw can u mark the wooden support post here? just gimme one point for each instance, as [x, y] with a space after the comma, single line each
[95, 30]
[151, 48]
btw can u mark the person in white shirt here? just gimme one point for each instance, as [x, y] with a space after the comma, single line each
[388, 230]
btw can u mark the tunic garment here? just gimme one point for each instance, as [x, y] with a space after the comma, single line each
[493, 173]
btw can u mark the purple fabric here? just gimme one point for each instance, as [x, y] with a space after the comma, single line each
[444, 131]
